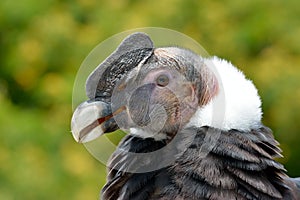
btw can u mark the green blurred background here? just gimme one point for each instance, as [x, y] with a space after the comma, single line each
[44, 42]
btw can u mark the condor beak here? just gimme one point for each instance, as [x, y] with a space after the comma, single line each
[92, 119]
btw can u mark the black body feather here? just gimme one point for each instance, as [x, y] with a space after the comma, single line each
[239, 165]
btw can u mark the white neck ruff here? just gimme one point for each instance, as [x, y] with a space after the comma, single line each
[237, 104]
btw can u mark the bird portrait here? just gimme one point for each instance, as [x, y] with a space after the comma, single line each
[193, 123]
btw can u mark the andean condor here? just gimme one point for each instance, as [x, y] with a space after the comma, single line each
[194, 125]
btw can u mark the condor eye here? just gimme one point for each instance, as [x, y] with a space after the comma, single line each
[162, 80]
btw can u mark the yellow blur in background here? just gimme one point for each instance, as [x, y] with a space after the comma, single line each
[43, 44]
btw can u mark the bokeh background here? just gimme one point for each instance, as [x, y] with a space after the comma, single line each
[43, 44]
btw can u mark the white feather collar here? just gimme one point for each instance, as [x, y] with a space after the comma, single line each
[236, 106]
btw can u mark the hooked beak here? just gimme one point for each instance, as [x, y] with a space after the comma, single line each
[92, 119]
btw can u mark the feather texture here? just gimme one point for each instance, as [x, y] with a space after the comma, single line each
[239, 165]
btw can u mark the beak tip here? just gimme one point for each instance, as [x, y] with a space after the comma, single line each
[76, 136]
[84, 124]
[79, 140]
[83, 137]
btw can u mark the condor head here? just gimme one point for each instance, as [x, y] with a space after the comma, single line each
[147, 91]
